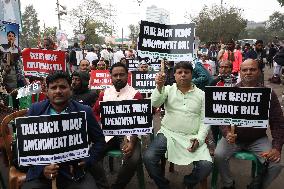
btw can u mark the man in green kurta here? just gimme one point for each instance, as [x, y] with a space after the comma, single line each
[181, 138]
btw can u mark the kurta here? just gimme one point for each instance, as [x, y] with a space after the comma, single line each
[183, 121]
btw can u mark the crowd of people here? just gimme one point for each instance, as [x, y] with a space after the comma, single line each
[183, 137]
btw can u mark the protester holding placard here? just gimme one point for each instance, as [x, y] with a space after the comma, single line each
[70, 174]
[181, 138]
[253, 139]
[132, 147]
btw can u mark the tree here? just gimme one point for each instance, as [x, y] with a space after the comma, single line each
[91, 19]
[281, 2]
[219, 23]
[134, 33]
[50, 32]
[30, 28]
[275, 24]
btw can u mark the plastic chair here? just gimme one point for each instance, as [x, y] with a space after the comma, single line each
[16, 178]
[243, 155]
[140, 172]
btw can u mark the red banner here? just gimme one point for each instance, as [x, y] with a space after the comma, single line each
[40, 63]
[101, 79]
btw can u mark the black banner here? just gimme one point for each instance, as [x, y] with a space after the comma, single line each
[248, 107]
[127, 117]
[169, 39]
[46, 139]
[132, 64]
[144, 82]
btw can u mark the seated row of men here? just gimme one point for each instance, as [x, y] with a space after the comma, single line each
[181, 138]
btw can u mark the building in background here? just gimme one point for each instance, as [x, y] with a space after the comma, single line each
[158, 15]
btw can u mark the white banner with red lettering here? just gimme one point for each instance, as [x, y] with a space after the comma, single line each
[39, 62]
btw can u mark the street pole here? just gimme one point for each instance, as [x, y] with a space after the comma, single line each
[58, 14]
[122, 38]
[220, 21]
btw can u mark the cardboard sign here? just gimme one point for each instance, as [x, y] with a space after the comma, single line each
[47, 139]
[246, 107]
[27, 90]
[100, 79]
[39, 62]
[127, 117]
[173, 42]
[144, 82]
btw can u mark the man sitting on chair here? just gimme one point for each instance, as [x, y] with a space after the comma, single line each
[59, 94]
[251, 139]
[181, 138]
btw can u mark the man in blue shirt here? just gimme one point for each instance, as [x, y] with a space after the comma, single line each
[59, 94]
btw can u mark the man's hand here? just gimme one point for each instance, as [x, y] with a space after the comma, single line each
[231, 138]
[50, 171]
[194, 146]
[272, 155]
[128, 148]
[160, 81]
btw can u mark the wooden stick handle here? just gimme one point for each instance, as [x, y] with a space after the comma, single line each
[53, 183]
[233, 129]
[163, 66]
[8, 58]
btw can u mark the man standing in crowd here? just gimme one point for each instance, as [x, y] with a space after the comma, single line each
[81, 92]
[91, 55]
[183, 142]
[73, 62]
[232, 55]
[271, 53]
[253, 139]
[132, 147]
[59, 94]
[258, 53]
[84, 66]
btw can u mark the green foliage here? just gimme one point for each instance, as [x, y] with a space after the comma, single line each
[281, 2]
[134, 32]
[91, 19]
[49, 32]
[275, 24]
[30, 28]
[219, 23]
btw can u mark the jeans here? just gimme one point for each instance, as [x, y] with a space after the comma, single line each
[225, 151]
[156, 151]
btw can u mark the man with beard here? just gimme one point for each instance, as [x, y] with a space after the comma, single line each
[253, 139]
[258, 53]
[70, 174]
[232, 55]
[225, 77]
[131, 147]
[81, 92]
